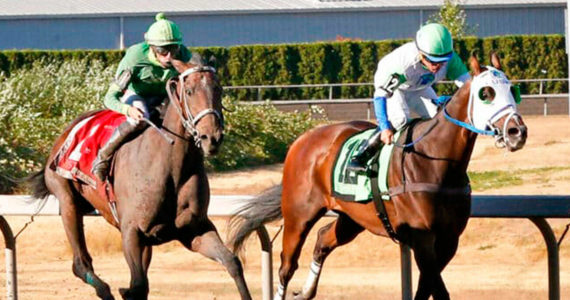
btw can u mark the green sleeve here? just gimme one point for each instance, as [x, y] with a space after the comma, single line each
[117, 88]
[112, 99]
[455, 67]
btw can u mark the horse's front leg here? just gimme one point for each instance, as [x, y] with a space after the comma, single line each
[138, 258]
[424, 245]
[207, 242]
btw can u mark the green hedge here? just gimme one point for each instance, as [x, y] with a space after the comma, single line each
[38, 101]
[333, 62]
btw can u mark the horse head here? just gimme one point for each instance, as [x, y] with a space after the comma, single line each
[198, 98]
[493, 105]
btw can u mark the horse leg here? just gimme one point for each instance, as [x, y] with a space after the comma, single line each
[73, 224]
[297, 224]
[138, 257]
[423, 244]
[146, 258]
[445, 247]
[340, 232]
[208, 243]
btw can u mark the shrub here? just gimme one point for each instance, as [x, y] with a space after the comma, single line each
[36, 103]
[258, 134]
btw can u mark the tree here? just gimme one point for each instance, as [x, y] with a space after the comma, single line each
[452, 16]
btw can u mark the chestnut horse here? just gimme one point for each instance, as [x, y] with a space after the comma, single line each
[161, 189]
[428, 215]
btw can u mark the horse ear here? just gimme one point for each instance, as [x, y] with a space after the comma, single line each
[213, 62]
[179, 65]
[474, 64]
[495, 61]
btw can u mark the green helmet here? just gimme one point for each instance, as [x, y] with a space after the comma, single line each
[163, 32]
[435, 42]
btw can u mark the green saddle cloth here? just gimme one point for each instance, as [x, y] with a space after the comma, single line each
[350, 186]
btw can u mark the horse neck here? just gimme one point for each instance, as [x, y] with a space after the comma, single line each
[179, 157]
[459, 141]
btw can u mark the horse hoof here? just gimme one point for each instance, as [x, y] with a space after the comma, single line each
[125, 293]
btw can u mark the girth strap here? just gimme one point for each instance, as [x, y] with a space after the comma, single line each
[407, 188]
[381, 208]
[428, 188]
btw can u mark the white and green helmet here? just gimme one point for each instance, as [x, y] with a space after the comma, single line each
[434, 41]
[163, 32]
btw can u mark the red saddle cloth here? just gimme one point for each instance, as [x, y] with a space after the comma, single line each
[75, 158]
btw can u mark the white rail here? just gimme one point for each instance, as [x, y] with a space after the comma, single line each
[220, 206]
[534, 207]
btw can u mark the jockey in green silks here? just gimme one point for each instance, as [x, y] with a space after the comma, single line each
[140, 84]
[403, 81]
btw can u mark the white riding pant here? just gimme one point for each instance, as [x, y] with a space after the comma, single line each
[139, 102]
[399, 105]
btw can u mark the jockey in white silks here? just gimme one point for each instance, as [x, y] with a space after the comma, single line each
[403, 81]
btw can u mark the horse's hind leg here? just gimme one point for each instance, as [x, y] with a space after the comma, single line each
[208, 243]
[298, 221]
[340, 232]
[72, 219]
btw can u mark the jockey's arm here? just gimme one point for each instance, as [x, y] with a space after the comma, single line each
[459, 81]
[116, 91]
[457, 71]
[381, 114]
[387, 79]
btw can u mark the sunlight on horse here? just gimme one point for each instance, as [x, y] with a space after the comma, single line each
[429, 215]
[161, 189]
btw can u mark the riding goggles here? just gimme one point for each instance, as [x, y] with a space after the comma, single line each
[164, 50]
[436, 60]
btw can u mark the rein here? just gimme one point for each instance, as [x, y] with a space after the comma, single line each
[467, 125]
[428, 130]
[190, 121]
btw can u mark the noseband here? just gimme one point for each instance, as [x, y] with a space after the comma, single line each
[190, 121]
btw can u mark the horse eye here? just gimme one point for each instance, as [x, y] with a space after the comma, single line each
[487, 94]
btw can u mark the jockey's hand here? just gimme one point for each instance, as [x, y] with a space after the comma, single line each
[386, 136]
[135, 113]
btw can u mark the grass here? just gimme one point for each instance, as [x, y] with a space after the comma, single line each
[481, 181]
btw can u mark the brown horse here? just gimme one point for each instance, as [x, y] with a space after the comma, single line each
[161, 189]
[428, 215]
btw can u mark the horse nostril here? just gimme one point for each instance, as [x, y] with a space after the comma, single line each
[513, 131]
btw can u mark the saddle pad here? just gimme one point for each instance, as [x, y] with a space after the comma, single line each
[349, 186]
[75, 157]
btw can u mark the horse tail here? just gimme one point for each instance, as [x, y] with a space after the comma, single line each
[260, 210]
[37, 183]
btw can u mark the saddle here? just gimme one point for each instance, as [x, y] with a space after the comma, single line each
[350, 186]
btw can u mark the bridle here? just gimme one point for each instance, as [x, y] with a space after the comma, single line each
[190, 121]
[507, 108]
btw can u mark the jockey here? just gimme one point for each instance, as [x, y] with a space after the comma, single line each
[140, 83]
[404, 77]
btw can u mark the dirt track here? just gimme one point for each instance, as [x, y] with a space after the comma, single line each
[497, 258]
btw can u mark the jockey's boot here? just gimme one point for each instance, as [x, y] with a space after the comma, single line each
[101, 164]
[367, 149]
